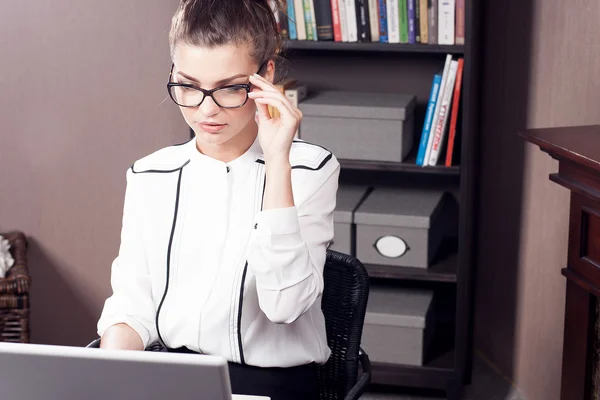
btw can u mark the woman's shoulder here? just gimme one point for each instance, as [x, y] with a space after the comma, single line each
[306, 156]
[167, 159]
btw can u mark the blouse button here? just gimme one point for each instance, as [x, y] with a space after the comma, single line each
[256, 226]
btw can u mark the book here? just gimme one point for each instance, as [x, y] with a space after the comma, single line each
[362, 20]
[417, 21]
[351, 20]
[433, 95]
[383, 29]
[323, 19]
[374, 20]
[446, 12]
[437, 108]
[313, 19]
[403, 20]
[432, 21]
[343, 19]
[460, 22]
[442, 122]
[300, 24]
[393, 20]
[308, 20]
[423, 12]
[410, 5]
[291, 18]
[454, 115]
[335, 19]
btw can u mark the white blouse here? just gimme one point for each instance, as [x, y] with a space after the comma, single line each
[201, 265]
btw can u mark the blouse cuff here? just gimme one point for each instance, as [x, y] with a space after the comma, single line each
[277, 221]
[133, 323]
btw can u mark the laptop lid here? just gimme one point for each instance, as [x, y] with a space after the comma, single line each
[31, 371]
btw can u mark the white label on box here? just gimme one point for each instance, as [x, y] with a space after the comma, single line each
[391, 246]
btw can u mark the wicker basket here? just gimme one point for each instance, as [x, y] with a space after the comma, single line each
[14, 293]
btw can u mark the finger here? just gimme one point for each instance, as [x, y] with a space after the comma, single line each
[262, 83]
[279, 96]
[286, 116]
[263, 111]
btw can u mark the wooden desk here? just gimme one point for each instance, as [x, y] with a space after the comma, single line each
[578, 151]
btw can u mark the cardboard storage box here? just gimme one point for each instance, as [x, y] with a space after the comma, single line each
[400, 227]
[399, 325]
[349, 197]
[360, 126]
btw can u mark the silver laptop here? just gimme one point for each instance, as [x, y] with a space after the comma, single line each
[30, 371]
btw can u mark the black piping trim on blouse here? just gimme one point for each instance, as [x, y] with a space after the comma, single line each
[180, 169]
[323, 163]
[159, 171]
[239, 319]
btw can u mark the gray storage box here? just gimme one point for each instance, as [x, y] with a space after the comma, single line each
[399, 325]
[349, 197]
[360, 126]
[400, 227]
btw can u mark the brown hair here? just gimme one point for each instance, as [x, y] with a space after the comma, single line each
[214, 23]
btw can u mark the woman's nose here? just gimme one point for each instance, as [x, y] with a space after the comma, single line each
[209, 107]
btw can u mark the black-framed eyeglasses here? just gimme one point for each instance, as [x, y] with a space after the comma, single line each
[230, 96]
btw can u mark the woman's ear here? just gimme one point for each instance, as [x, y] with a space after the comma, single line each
[270, 71]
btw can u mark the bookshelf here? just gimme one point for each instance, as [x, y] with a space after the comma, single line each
[409, 68]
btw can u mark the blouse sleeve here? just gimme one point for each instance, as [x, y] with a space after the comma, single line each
[288, 247]
[131, 301]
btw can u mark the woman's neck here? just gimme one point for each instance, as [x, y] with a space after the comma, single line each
[234, 147]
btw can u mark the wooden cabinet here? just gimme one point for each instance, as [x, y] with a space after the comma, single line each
[578, 151]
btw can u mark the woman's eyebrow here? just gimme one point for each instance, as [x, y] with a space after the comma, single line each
[218, 83]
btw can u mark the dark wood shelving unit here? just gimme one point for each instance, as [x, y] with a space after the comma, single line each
[443, 269]
[408, 165]
[409, 68]
[435, 374]
[380, 47]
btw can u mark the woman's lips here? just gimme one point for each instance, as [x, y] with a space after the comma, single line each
[211, 127]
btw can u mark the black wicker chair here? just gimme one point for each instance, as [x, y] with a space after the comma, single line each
[344, 305]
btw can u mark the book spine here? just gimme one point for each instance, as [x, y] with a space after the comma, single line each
[446, 10]
[460, 22]
[323, 19]
[432, 20]
[440, 130]
[291, 18]
[374, 20]
[300, 24]
[362, 20]
[314, 20]
[351, 20]
[410, 4]
[335, 18]
[417, 21]
[343, 19]
[433, 95]
[454, 116]
[393, 21]
[403, 21]
[436, 113]
[310, 35]
[383, 28]
[424, 21]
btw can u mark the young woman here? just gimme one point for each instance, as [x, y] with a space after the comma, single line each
[224, 238]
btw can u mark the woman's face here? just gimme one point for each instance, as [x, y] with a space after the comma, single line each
[209, 68]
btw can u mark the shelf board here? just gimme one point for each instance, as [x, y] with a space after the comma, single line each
[442, 269]
[435, 374]
[373, 47]
[409, 165]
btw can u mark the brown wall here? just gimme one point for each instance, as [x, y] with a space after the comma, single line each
[541, 65]
[82, 85]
